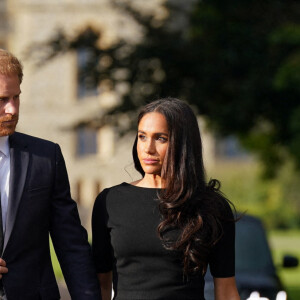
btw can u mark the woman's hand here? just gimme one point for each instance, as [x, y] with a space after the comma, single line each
[225, 289]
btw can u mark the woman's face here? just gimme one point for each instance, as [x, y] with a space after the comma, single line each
[153, 141]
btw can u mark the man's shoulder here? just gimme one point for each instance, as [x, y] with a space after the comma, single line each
[31, 143]
[29, 139]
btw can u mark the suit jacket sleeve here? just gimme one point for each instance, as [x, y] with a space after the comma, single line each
[70, 238]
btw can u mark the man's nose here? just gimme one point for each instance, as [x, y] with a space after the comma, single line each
[11, 107]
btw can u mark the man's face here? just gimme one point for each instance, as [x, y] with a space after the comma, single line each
[9, 103]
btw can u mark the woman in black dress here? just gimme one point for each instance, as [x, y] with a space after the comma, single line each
[160, 233]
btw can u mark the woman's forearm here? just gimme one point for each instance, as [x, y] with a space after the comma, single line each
[225, 289]
[105, 280]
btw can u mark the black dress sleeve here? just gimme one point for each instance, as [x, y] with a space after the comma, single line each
[222, 257]
[101, 244]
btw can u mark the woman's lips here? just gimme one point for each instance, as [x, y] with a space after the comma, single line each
[150, 161]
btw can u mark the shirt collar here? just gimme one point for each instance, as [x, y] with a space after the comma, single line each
[4, 146]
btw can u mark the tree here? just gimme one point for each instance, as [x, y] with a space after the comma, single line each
[249, 79]
[237, 62]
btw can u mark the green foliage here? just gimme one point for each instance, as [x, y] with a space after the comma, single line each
[249, 73]
[275, 201]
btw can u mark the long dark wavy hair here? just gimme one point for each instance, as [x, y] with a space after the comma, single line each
[187, 202]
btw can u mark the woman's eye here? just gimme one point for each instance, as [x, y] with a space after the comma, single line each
[141, 137]
[162, 139]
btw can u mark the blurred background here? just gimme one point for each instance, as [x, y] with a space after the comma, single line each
[90, 64]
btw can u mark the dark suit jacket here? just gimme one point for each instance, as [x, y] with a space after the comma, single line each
[39, 204]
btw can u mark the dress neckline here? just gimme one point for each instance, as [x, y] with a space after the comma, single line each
[140, 187]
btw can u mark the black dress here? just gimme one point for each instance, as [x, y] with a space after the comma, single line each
[124, 224]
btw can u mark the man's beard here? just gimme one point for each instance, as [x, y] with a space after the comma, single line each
[8, 124]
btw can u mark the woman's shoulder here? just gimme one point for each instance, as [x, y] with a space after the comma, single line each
[216, 203]
[118, 191]
[112, 190]
[224, 207]
[108, 195]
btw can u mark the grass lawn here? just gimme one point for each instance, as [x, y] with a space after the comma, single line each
[55, 264]
[283, 243]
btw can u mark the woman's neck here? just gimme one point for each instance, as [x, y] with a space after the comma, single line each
[149, 181]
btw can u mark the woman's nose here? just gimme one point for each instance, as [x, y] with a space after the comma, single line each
[150, 146]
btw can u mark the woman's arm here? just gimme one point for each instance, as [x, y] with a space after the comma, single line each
[101, 245]
[225, 289]
[105, 280]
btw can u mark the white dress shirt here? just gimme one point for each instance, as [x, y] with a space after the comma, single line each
[4, 176]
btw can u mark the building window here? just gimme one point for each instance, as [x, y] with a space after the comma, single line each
[86, 141]
[87, 82]
[230, 148]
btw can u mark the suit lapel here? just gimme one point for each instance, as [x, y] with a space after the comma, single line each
[19, 159]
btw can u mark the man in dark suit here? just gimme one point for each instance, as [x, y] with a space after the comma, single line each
[35, 201]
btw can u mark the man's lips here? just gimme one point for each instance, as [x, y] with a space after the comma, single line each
[8, 123]
[9, 119]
